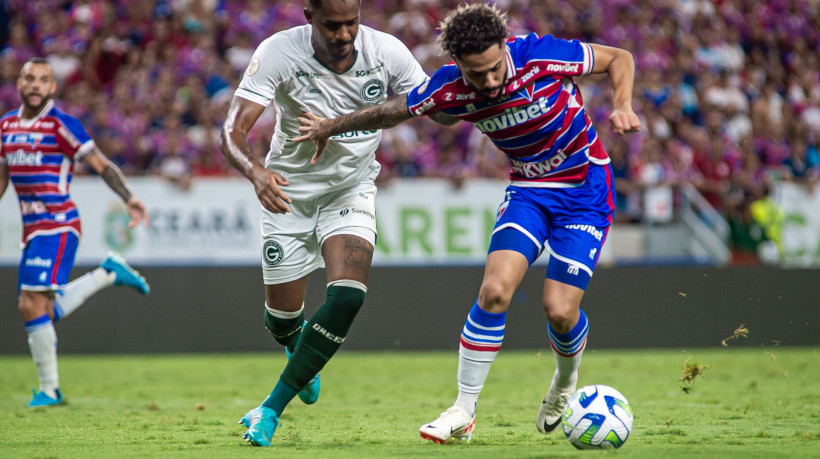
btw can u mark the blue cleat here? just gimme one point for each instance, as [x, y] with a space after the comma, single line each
[310, 393]
[126, 275]
[261, 423]
[43, 399]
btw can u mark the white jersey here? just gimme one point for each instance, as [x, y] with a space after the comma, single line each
[284, 70]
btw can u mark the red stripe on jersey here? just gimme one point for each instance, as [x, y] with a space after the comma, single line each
[596, 151]
[573, 175]
[36, 188]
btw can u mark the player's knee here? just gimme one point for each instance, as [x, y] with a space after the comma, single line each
[24, 307]
[284, 330]
[562, 317]
[494, 296]
[30, 306]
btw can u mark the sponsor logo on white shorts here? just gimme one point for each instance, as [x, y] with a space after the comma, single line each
[352, 210]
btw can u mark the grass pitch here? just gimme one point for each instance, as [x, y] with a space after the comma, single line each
[743, 402]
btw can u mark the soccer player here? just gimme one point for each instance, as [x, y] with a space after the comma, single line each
[39, 146]
[520, 93]
[319, 214]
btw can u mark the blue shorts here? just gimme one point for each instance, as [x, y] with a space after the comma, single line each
[47, 262]
[570, 223]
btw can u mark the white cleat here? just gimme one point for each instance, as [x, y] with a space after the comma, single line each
[553, 406]
[455, 423]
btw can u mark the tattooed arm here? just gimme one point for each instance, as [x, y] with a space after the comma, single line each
[381, 116]
[112, 176]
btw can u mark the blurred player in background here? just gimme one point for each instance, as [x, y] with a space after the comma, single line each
[520, 93]
[39, 146]
[320, 214]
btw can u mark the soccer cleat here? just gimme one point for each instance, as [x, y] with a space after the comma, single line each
[261, 423]
[43, 399]
[310, 393]
[455, 422]
[553, 406]
[126, 275]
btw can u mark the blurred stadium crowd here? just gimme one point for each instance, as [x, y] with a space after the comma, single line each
[728, 90]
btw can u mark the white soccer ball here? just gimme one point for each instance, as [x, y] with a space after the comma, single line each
[597, 417]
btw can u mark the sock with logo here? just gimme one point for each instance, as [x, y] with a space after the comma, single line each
[481, 340]
[568, 349]
[285, 326]
[321, 338]
[42, 342]
[74, 294]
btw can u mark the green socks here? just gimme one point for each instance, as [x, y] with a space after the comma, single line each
[320, 339]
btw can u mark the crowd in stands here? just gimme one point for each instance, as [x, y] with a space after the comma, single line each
[728, 90]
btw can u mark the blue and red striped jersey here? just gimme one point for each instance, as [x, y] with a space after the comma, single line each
[39, 154]
[539, 121]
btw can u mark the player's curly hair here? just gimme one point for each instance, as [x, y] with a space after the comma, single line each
[472, 29]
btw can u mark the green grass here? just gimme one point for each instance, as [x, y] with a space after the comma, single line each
[750, 404]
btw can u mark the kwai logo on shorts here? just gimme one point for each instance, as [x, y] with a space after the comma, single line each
[272, 253]
[372, 90]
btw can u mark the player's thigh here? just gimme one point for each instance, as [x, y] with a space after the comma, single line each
[348, 256]
[46, 262]
[290, 247]
[347, 230]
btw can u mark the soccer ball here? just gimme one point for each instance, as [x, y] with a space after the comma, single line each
[597, 417]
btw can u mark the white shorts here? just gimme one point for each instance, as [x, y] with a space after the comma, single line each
[292, 242]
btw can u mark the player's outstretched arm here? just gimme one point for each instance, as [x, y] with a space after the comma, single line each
[382, 116]
[620, 66]
[242, 115]
[112, 176]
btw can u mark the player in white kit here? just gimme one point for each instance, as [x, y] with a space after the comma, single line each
[319, 214]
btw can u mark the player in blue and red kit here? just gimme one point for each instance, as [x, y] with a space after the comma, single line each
[520, 93]
[39, 146]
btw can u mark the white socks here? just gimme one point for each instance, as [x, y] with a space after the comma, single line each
[74, 294]
[42, 342]
[481, 339]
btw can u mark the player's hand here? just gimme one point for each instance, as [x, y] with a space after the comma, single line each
[136, 210]
[266, 183]
[311, 129]
[623, 121]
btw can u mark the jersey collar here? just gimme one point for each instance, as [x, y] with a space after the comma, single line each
[27, 123]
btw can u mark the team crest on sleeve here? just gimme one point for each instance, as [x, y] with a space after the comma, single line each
[272, 253]
[372, 90]
[253, 67]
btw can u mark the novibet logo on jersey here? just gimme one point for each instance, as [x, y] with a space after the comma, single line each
[372, 90]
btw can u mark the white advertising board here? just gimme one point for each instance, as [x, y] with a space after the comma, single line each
[216, 222]
[801, 224]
